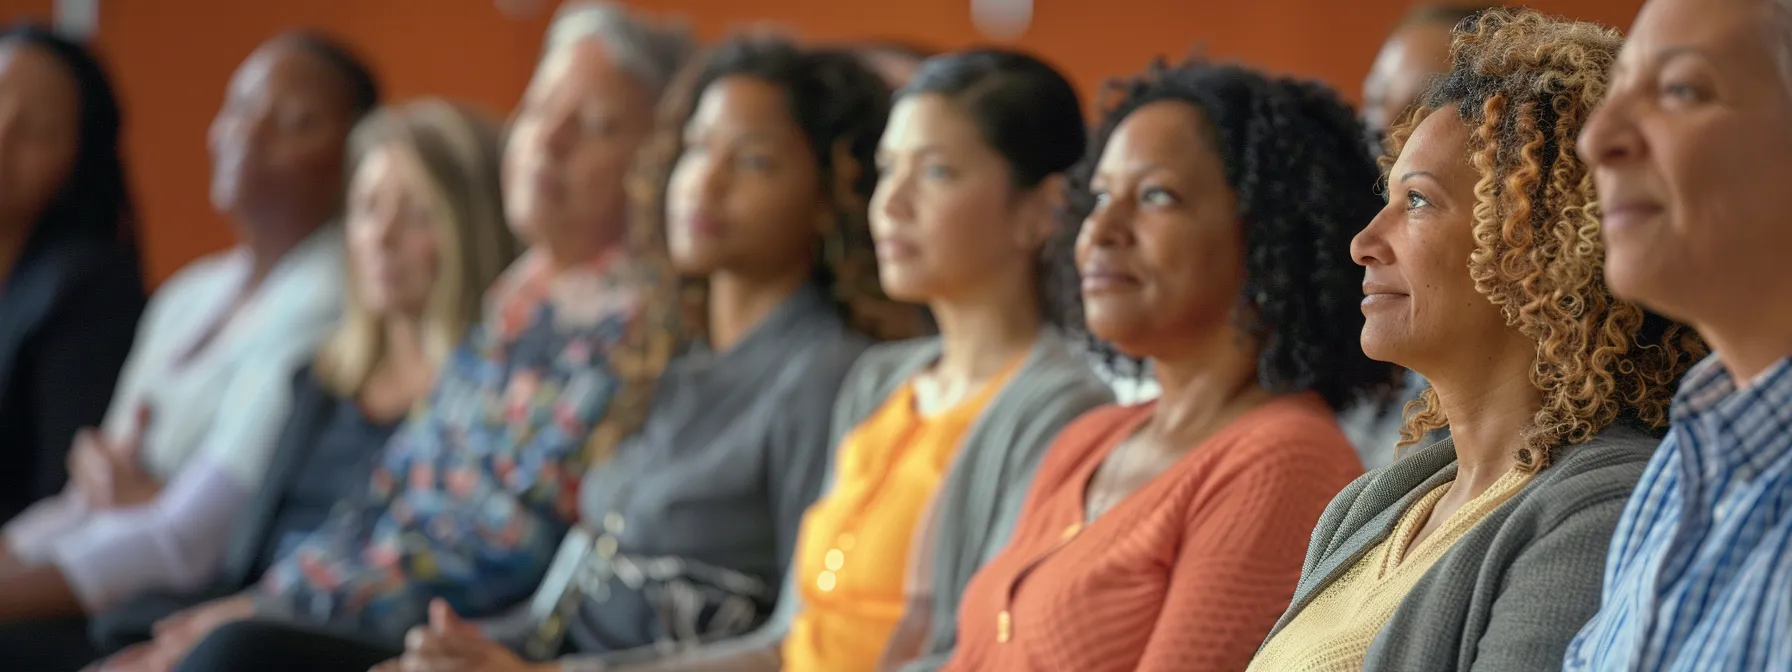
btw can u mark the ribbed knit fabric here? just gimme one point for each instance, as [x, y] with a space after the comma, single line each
[1187, 574]
[1334, 632]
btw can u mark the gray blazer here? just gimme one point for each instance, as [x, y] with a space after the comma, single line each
[1514, 590]
[977, 502]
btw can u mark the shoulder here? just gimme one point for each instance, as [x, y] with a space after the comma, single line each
[1292, 432]
[203, 274]
[1604, 470]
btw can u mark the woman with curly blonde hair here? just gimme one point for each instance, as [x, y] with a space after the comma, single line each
[1485, 550]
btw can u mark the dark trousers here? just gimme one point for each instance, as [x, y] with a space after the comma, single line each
[262, 646]
[46, 645]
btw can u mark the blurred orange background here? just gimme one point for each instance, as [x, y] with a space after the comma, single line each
[171, 58]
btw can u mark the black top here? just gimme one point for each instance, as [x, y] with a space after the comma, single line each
[68, 316]
[326, 453]
[335, 467]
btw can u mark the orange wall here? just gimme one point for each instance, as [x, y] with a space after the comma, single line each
[172, 57]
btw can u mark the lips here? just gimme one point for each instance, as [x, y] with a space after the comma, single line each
[1622, 214]
[895, 249]
[1376, 293]
[1099, 278]
[701, 224]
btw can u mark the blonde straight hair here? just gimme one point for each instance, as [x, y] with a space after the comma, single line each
[457, 150]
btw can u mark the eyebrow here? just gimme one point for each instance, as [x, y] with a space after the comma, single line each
[1659, 57]
[1419, 173]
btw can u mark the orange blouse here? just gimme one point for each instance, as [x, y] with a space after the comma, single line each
[852, 553]
[1186, 574]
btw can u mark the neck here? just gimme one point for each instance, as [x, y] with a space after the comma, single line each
[404, 352]
[268, 242]
[1751, 344]
[979, 336]
[1487, 412]
[1208, 380]
[738, 303]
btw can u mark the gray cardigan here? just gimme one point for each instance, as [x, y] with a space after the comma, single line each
[983, 491]
[1513, 591]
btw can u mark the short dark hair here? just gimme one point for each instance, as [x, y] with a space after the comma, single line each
[1305, 185]
[357, 77]
[94, 203]
[1023, 107]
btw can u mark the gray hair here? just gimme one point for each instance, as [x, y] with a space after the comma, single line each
[650, 51]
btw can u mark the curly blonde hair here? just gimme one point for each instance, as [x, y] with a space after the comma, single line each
[842, 107]
[1525, 84]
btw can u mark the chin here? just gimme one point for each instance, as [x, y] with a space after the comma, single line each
[898, 286]
[1633, 277]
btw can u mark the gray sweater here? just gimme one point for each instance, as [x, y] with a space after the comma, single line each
[976, 505]
[1513, 591]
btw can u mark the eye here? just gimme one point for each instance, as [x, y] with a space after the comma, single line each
[1101, 197]
[936, 171]
[1681, 92]
[1416, 200]
[754, 162]
[1158, 196]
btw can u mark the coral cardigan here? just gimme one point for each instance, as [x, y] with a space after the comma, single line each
[1186, 574]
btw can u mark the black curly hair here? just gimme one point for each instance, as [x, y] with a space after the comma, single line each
[841, 107]
[1305, 185]
[1031, 115]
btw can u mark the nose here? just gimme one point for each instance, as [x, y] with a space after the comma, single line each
[557, 133]
[1610, 135]
[1107, 225]
[1370, 246]
[893, 199]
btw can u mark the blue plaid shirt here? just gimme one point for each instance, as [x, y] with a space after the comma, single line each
[1700, 572]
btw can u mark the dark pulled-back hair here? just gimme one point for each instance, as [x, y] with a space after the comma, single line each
[94, 203]
[1030, 114]
[842, 108]
[1305, 186]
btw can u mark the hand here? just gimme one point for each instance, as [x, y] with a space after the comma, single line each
[449, 644]
[109, 474]
[178, 634]
[89, 470]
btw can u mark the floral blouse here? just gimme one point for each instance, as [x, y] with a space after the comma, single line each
[472, 496]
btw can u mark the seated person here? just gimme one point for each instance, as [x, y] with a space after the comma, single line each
[1482, 551]
[1167, 536]
[206, 389]
[426, 236]
[71, 283]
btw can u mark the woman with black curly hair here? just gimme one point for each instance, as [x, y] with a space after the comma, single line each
[1484, 274]
[1217, 203]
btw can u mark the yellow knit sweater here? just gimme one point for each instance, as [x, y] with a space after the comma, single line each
[1333, 633]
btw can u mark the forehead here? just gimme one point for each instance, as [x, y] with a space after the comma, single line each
[1439, 145]
[580, 68]
[743, 100]
[929, 119]
[1728, 32]
[283, 67]
[1164, 132]
[28, 67]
